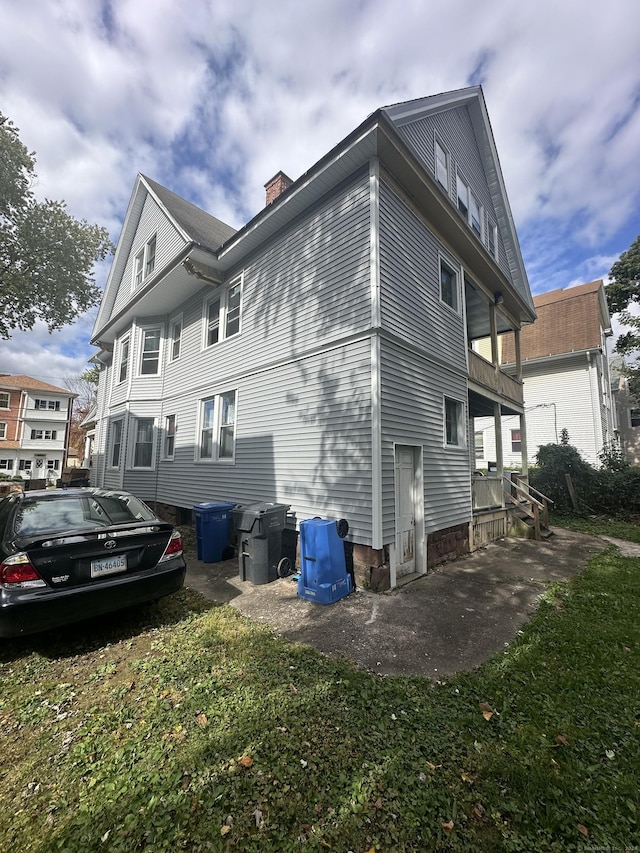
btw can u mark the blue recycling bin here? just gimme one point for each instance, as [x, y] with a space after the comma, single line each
[213, 530]
[323, 569]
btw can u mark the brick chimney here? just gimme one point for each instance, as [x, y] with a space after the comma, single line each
[276, 186]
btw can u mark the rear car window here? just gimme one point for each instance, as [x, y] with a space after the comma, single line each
[78, 512]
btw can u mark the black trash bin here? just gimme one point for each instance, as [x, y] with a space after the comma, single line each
[259, 527]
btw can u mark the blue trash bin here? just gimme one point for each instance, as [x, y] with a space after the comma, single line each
[323, 568]
[213, 530]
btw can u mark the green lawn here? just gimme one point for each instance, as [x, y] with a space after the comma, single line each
[187, 727]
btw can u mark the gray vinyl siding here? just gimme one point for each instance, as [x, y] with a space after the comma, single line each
[413, 390]
[168, 244]
[454, 131]
[410, 284]
[303, 437]
[309, 288]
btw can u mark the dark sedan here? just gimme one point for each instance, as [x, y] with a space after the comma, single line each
[68, 555]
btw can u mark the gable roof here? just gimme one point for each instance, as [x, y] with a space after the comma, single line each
[569, 320]
[27, 383]
[198, 225]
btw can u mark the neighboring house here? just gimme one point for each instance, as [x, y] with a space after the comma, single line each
[565, 371]
[319, 356]
[34, 427]
[627, 413]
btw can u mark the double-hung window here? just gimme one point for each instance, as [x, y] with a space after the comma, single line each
[51, 405]
[516, 441]
[24, 465]
[150, 355]
[4, 399]
[144, 262]
[475, 212]
[43, 434]
[169, 436]
[448, 285]
[116, 443]
[6, 465]
[492, 239]
[634, 417]
[463, 196]
[217, 427]
[223, 313]
[453, 423]
[176, 339]
[143, 443]
[123, 367]
[442, 166]
[3, 429]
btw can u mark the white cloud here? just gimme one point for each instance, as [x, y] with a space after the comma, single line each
[212, 99]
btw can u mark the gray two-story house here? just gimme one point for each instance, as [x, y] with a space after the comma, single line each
[320, 355]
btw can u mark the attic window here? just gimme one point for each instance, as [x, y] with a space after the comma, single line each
[463, 196]
[144, 262]
[442, 166]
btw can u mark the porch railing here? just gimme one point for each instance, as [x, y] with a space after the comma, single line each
[527, 500]
[486, 492]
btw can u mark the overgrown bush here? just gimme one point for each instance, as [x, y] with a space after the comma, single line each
[613, 489]
[554, 462]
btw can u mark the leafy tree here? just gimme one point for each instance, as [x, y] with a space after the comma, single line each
[622, 294]
[46, 256]
[85, 386]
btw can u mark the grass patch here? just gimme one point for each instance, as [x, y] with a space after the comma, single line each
[187, 727]
[601, 525]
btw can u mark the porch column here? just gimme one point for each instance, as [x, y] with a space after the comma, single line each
[516, 342]
[494, 337]
[497, 427]
[523, 447]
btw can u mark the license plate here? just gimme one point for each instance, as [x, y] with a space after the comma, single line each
[108, 566]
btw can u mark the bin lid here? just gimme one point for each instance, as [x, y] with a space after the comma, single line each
[260, 508]
[221, 505]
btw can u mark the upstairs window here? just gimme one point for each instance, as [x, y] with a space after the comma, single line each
[150, 356]
[124, 360]
[43, 434]
[223, 313]
[453, 423]
[475, 215]
[3, 430]
[463, 197]
[144, 262]
[442, 166]
[448, 286]
[492, 239]
[634, 417]
[5, 398]
[50, 405]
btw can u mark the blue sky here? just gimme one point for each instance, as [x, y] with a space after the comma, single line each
[212, 97]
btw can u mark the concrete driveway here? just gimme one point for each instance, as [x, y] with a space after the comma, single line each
[449, 620]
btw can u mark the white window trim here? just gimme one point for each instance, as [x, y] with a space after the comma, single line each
[217, 416]
[3, 430]
[133, 426]
[110, 464]
[178, 319]
[457, 271]
[437, 143]
[165, 435]
[492, 228]
[221, 293]
[6, 394]
[142, 330]
[125, 340]
[142, 256]
[461, 425]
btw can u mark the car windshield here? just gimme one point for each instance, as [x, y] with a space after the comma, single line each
[77, 512]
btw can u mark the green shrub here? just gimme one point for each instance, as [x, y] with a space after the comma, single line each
[554, 462]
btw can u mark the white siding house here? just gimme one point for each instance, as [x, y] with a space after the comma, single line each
[319, 356]
[565, 372]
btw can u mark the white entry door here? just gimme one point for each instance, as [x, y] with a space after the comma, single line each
[405, 511]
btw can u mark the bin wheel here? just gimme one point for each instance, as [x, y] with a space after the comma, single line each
[343, 527]
[284, 567]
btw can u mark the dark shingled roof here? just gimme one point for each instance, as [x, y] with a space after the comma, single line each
[199, 225]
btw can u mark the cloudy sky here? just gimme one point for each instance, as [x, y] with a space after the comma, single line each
[212, 97]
